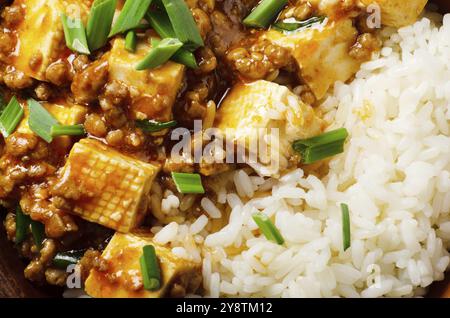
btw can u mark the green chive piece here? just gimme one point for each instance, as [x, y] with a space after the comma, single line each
[268, 228]
[160, 22]
[183, 23]
[67, 130]
[100, 22]
[323, 146]
[151, 272]
[3, 104]
[346, 226]
[132, 13]
[188, 182]
[288, 26]
[160, 53]
[64, 259]
[11, 117]
[264, 13]
[40, 120]
[150, 126]
[38, 231]
[75, 34]
[131, 41]
[23, 222]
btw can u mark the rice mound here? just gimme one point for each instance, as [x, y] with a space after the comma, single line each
[394, 175]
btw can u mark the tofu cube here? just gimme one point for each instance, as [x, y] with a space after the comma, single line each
[321, 53]
[153, 91]
[398, 13]
[267, 105]
[40, 34]
[114, 187]
[123, 279]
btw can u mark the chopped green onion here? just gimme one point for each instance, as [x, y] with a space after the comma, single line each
[131, 41]
[100, 22]
[346, 226]
[151, 272]
[294, 26]
[264, 13]
[323, 146]
[159, 53]
[161, 24]
[40, 120]
[11, 117]
[188, 182]
[268, 228]
[38, 231]
[150, 126]
[183, 23]
[2, 104]
[23, 222]
[75, 34]
[132, 13]
[67, 130]
[64, 259]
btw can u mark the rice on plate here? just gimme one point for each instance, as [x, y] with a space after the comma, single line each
[394, 175]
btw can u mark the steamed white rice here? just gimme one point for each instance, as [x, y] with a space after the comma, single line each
[394, 175]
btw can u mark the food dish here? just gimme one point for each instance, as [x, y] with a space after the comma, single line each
[291, 183]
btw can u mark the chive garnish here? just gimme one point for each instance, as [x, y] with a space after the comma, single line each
[64, 259]
[151, 126]
[23, 222]
[322, 146]
[131, 41]
[38, 232]
[346, 226]
[3, 104]
[40, 120]
[132, 13]
[264, 13]
[151, 272]
[67, 130]
[183, 23]
[268, 228]
[295, 26]
[188, 182]
[99, 23]
[75, 34]
[160, 53]
[11, 117]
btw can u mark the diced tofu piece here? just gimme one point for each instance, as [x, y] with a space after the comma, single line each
[398, 13]
[154, 91]
[122, 255]
[114, 187]
[263, 104]
[40, 34]
[322, 54]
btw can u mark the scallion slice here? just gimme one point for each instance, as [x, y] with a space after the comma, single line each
[295, 26]
[75, 34]
[131, 41]
[23, 222]
[38, 232]
[11, 117]
[151, 272]
[346, 226]
[323, 146]
[64, 259]
[150, 126]
[67, 130]
[268, 228]
[183, 23]
[100, 22]
[160, 53]
[40, 120]
[264, 13]
[132, 13]
[188, 182]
